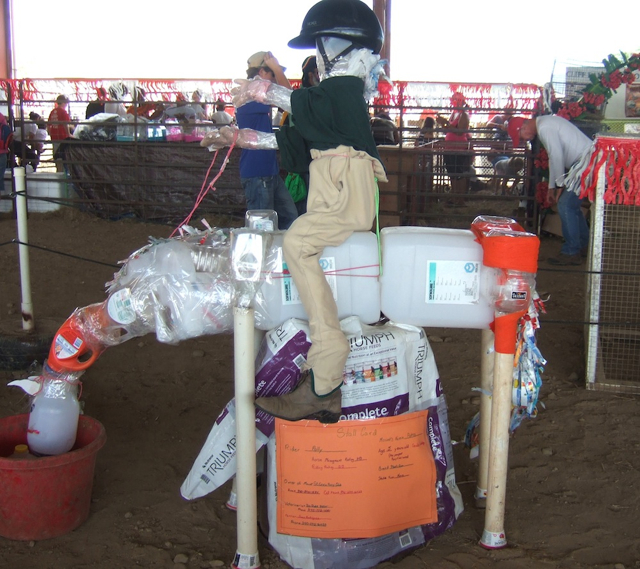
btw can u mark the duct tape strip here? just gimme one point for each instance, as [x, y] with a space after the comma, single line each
[507, 252]
[506, 245]
[505, 328]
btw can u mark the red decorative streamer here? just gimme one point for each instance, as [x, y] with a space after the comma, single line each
[621, 160]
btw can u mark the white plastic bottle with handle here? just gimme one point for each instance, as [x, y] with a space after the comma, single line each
[53, 420]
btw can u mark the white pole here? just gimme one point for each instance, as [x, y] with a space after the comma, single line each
[493, 536]
[244, 368]
[23, 250]
[594, 280]
[232, 501]
[486, 388]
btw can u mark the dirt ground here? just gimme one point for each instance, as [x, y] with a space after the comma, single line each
[573, 491]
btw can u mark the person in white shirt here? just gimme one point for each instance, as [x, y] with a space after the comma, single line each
[28, 143]
[220, 116]
[566, 145]
[196, 104]
[114, 105]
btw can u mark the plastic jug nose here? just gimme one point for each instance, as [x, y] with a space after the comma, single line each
[70, 350]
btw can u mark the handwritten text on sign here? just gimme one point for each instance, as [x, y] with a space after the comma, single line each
[354, 479]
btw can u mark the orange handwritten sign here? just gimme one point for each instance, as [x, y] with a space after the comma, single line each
[355, 479]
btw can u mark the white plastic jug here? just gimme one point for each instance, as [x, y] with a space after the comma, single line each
[351, 270]
[53, 420]
[435, 277]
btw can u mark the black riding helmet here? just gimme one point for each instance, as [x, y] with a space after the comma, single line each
[348, 19]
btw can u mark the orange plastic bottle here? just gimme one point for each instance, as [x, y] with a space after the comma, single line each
[75, 346]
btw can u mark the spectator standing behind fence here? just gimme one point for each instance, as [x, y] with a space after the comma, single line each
[143, 108]
[384, 130]
[427, 132]
[28, 142]
[497, 155]
[96, 106]
[259, 169]
[114, 105]
[181, 110]
[458, 157]
[220, 116]
[41, 133]
[310, 75]
[566, 146]
[59, 128]
[498, 124]
[196, 103]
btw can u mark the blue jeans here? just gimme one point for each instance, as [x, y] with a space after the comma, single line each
[270, 192]
[575, 230]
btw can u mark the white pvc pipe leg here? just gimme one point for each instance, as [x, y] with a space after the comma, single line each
[23, 250]
[484, 431]
[244, 376]
[493, 536]
[232, 501]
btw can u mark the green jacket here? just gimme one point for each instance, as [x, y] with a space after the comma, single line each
[324, 117]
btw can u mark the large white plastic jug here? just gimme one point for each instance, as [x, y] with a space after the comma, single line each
[435, 277]
[352, 271]
[53, 420]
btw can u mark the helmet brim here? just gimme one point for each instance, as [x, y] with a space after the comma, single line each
[302, 42]
[305, 41]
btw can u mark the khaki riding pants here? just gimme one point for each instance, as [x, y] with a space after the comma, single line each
[342, 189]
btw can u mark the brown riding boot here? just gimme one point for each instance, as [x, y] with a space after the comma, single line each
[303, 403]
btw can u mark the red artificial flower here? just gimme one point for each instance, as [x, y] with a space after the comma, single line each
[575, 109]
[542, 194]
[613, 81]
[542, 160]
[634, 62]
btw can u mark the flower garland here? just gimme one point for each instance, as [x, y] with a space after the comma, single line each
[541, 162]
[616, 73]
[602, 87]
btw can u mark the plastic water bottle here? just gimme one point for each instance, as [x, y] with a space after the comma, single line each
[53, 420]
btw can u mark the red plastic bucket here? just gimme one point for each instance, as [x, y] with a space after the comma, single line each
[48, 496]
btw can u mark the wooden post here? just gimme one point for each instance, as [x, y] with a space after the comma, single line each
[486, 389]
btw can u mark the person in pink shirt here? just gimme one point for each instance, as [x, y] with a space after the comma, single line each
[458, 156]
